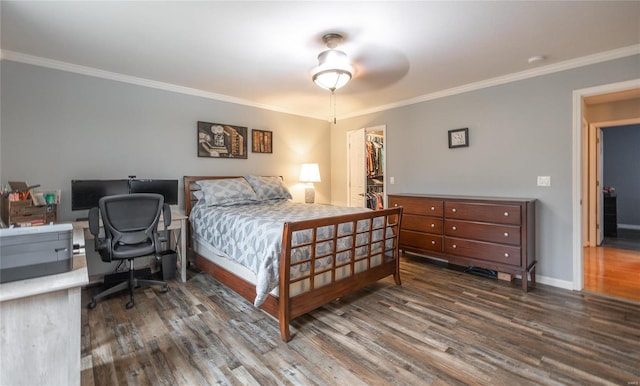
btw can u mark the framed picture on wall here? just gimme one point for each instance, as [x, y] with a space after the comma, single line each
[458, 138]
[261, 141]
[216, 140]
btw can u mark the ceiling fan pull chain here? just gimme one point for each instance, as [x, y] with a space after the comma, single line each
[333, 95]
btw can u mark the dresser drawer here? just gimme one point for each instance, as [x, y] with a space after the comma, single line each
[422, 223]
[503, 254]
[418, 240]
[504, 234]
[417, 205]
[495, 213]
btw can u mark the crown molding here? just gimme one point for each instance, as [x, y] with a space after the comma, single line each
[545, 70]
[94, 72]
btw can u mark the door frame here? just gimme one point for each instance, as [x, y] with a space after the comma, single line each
[349, 164]
[594, 212]
[378, 128]
[595, 223]
[578, 162]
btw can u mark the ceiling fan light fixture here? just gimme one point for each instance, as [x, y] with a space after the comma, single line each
[332, 78]
[333, 70]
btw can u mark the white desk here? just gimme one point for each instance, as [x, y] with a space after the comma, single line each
[179, 231]
[40, 326]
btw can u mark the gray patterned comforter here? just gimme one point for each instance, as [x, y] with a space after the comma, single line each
[251, 234]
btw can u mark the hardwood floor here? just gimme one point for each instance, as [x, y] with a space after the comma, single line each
[612, 271]
[441, 327]
[628, 239]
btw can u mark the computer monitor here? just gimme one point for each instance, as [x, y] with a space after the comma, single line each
[168, 188]
[85, 194]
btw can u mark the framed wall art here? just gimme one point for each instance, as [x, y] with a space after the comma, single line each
[458, 138]
[216, 140]
[261, 141]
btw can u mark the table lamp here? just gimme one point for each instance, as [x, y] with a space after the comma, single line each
[309, 173]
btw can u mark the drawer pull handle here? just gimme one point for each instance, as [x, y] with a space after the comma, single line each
[506, 214]
[433, 242]
[61, 250]
[506, 234]
[454, 210]
[433, 225]
[433, 208]
[506, 255]
[395, 204]
[454, 246]
[454, 228]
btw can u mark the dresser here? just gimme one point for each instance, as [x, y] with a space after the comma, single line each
[610, 216]
[484, 232]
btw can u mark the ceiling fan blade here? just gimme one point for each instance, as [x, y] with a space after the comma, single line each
[378, 67]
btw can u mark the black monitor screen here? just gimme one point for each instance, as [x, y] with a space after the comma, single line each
[168, 188]
[85, 194]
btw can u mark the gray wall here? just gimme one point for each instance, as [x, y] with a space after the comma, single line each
[518, 131]
[58, 126]
[621, 169]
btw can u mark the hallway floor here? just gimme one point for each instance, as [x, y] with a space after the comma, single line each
[613, 271]
[627, 239]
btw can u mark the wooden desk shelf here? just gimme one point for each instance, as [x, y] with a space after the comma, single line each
[24, 212]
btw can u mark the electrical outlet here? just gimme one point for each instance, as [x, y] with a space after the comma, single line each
[544, 180]
[392, 180]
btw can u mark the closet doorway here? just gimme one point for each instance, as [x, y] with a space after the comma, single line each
[366, 162]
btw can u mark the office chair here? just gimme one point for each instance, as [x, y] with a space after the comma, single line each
[130, 224]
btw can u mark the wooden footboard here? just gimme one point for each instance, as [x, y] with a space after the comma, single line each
[322, 259]
[357, 258]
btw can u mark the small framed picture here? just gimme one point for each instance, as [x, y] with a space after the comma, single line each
[261, 141]
[459, 138]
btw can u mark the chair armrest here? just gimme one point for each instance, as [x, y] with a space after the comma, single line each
[102, 246]
[166, 212]
[163, 236]
[94, 221]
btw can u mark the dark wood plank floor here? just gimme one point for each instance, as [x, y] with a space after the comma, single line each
[440, 327]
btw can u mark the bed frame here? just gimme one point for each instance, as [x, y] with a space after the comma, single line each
[286, 307]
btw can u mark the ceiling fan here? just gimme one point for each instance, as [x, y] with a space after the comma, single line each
[373, 65]
[375, 68]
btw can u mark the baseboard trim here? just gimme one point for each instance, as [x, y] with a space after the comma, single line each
[629, 226]
[554, 282]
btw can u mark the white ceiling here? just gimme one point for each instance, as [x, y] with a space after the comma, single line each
[262, 53]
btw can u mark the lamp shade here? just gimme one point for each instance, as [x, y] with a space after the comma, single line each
[309, 173]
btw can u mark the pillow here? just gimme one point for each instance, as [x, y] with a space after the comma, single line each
[226, 192]
[268, 188]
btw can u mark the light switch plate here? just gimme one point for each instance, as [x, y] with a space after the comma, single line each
[544, 180]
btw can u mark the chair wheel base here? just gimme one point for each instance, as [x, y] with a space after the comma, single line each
[164, 289]
[91, 305]
[130, 305]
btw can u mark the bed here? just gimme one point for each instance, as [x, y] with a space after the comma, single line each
[286, 258]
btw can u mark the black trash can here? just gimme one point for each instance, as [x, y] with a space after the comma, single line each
[169, 259]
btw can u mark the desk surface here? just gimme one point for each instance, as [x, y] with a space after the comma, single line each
[80, 226]
[178, 223]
